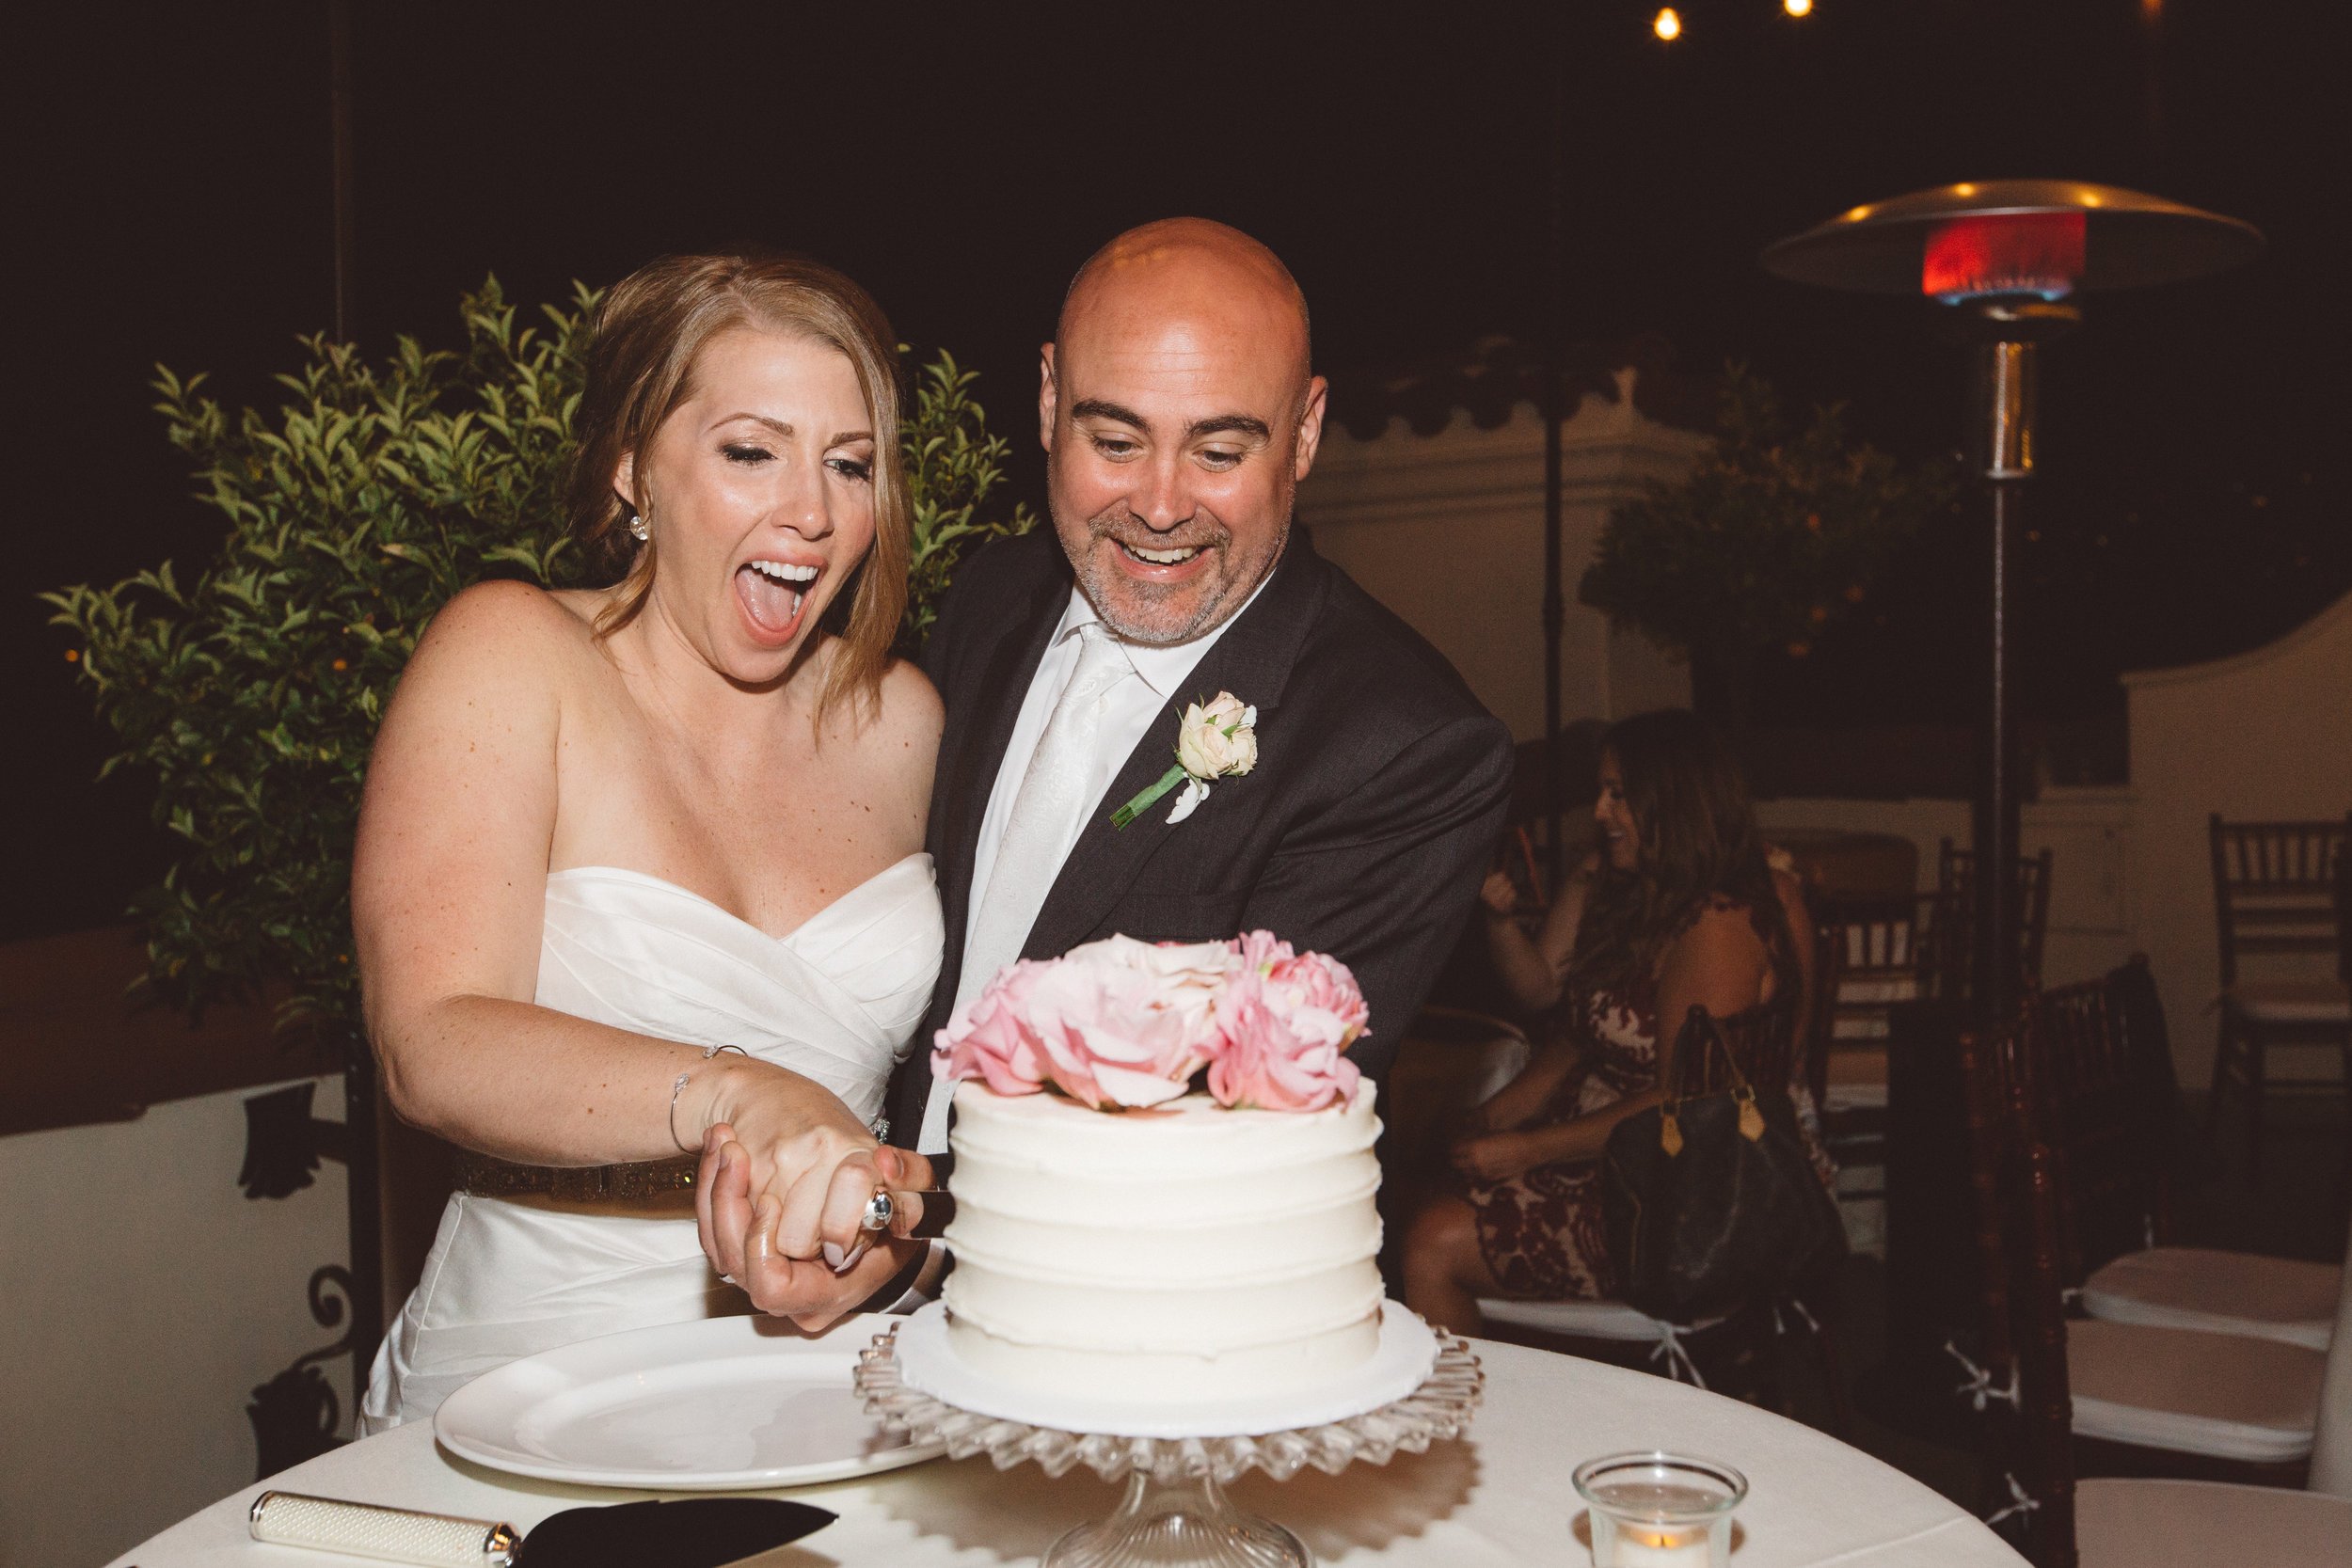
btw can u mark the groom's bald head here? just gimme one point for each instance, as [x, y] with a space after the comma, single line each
[1178, 410]
[1182, 264]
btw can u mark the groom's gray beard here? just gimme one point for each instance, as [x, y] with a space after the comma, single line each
[1089, 571]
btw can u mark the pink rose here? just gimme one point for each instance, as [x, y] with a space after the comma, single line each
[1126, 1022]
[1260, 950]
[1287, 1019]
[1316, 982]
[990, 1039]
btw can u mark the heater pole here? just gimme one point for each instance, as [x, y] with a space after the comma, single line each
[2004, 380]
[1996, 828]
[2008, 355]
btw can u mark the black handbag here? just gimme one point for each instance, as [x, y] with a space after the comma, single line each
[1710, 1201]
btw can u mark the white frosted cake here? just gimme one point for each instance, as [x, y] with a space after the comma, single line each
[1181, 1253]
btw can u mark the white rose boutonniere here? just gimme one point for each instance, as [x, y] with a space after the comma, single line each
[1217, 739]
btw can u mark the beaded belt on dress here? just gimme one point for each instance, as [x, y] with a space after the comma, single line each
[484, 1177]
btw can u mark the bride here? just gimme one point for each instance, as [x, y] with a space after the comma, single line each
[640, 862]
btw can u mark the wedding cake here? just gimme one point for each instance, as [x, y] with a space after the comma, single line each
[1164, 1174]
[1180, 1252]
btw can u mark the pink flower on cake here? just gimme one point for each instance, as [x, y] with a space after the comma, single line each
[1127, 1023]
[1320, 984]
[1287, 1019]
[1120, 1023]
[991, 1041]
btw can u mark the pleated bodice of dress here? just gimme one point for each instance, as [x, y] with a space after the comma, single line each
[837, 1000]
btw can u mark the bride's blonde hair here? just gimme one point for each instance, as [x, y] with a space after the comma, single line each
[650, 331]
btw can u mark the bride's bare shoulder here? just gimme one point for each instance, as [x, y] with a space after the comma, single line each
[910, 703]
[514, 624]
[508, 649]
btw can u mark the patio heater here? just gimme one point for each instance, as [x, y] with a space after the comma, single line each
[2010, 257]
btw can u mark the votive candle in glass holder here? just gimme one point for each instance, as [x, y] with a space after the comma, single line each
[1660, 1510]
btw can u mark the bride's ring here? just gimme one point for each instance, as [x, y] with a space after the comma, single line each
[880, 1209]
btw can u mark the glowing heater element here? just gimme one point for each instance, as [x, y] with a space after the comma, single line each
[1668, 25]
[1797, 7]
[1990, 254]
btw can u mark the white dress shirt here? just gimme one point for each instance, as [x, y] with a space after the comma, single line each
[1128, 711]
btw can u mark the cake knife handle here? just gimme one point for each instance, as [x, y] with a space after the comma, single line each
[387, 1534]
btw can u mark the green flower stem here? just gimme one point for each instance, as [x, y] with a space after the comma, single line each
[1142, 802]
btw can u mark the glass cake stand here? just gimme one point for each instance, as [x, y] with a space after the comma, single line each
[1175, 1511]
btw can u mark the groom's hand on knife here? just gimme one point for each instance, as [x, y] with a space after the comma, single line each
[776, 1248]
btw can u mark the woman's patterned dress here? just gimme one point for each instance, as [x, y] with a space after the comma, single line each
[1542, 1232]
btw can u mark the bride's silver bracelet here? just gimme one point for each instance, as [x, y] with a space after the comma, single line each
[678, 1088]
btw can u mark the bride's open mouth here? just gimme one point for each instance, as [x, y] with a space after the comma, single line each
[772, 594]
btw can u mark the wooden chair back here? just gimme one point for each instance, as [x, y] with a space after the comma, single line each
[1825, 984]
[2343, 902]
[2138, 1010]
[1954, 948]
[2098, 1113]
[2014, 1176]
[1869, 957]
[2274, 888]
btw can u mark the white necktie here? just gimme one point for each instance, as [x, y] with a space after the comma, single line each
[1047, 816]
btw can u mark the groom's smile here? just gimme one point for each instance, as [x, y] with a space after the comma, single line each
[1177, 413]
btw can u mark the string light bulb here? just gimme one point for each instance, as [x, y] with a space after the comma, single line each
[1797, 7]
[1669, 24]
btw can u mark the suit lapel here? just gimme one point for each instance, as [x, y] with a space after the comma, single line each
[1252, 660]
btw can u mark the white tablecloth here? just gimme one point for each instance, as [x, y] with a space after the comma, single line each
[1500, 1497]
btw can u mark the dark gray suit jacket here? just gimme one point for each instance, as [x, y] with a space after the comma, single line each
[1363, 832]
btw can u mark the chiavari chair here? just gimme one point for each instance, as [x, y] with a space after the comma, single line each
[1952, 940]
[2274, 886]
[1870, 957]
[2069, 1394]
[2106, 1067]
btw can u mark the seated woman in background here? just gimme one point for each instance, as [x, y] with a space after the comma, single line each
[1679, 905]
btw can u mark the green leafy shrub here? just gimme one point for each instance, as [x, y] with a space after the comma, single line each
[953, 463]
[253, 688]
[1775, 533]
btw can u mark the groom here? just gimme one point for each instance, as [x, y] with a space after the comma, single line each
[1179, 412]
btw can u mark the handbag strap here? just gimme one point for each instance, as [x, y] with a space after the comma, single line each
[1700, 1028]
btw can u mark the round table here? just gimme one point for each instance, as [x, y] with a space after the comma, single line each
[1500, 1497]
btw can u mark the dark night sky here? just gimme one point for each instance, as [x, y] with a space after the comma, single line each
[170, 202]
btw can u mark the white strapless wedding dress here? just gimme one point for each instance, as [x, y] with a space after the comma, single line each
[837, 1000]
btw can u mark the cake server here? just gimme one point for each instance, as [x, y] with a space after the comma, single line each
[699, 1532]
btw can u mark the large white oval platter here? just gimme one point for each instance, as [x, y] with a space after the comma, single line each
[722, 1405]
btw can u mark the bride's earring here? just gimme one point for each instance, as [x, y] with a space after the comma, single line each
[637, 528]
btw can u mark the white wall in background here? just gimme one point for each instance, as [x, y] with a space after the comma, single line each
[142, 1298]
[2265, 735]
[1448, 531]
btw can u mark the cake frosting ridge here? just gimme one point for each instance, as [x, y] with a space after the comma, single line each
[1185, 1252]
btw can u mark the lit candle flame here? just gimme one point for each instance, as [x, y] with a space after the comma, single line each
[1668, 25]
